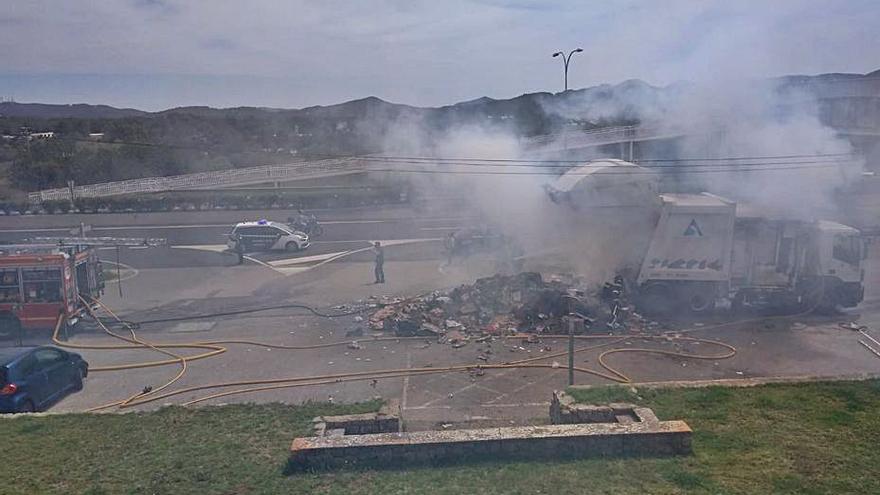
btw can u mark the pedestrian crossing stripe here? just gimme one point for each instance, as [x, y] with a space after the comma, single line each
[693, 230]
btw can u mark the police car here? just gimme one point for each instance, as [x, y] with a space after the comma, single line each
[265, 235]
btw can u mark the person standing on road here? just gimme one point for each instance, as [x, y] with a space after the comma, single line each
[239, 248]
[379, 269]
[451, 246]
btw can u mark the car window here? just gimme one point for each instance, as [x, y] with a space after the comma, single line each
[48, 357]
[248, 231]
[277, 231]
[25, 366]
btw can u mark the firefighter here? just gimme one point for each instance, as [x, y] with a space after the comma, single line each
[239, 248]
[379, 270]
[451, 245]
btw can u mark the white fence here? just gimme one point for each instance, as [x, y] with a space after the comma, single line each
[202, 180]
[320, 168]
[599, 137]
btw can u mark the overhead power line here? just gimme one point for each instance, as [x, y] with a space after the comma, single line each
[652, 160]
[427, 159]
[547, 166]
[601, 173]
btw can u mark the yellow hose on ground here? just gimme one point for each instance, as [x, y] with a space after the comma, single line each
[271, 384]
[135, 340]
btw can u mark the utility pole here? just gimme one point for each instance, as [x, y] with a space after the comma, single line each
[565, 62]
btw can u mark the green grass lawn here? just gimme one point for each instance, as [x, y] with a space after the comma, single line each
[792, 438]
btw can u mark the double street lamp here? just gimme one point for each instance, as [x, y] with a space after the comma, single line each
[566, 60]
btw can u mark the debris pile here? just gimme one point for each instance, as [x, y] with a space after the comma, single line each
[508, 305]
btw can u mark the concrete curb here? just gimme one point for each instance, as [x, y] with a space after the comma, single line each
[740, 382]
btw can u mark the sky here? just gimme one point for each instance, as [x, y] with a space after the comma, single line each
[157, 54]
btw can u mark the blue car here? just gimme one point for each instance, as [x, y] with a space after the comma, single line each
[33, 378]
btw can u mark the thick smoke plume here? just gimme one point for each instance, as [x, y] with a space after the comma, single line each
[747, 119]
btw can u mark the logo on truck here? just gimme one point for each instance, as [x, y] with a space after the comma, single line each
[693, 230]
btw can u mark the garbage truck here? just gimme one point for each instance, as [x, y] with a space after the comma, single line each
[689, 251]
[705, 249]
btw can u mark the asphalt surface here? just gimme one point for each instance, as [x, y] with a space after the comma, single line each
[193, 278]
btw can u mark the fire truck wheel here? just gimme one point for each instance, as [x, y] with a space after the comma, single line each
[10, 326]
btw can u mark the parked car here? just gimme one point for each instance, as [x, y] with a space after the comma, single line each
[265, 235]
[34, 378]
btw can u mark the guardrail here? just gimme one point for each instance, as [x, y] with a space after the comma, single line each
[200, 180]
[598, 137]
[318, 168]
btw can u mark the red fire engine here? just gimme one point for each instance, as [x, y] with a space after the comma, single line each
[38, 282]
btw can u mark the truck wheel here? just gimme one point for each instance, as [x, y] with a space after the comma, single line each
[700, 302]
[656, 300]
[820, 298]
[10, 326]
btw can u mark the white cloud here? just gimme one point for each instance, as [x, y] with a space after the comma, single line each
[429, 52]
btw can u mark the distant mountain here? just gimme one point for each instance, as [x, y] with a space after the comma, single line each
[186, 139]
[75, 111]
[631, 90]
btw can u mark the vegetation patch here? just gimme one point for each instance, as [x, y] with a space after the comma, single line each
[779, 438]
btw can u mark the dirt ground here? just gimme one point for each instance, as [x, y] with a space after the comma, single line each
[799, 346]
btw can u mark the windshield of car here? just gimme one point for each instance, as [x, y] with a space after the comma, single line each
[455, 246]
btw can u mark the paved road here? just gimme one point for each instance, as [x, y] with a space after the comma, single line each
[187, 281]
[344, 230]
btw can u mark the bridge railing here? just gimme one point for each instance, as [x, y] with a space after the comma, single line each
[199, 180]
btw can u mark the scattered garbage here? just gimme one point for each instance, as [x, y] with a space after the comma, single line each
[503, 305]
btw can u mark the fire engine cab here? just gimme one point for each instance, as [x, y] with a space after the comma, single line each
[38, 282]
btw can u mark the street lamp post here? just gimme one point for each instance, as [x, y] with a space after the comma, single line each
[566, 60]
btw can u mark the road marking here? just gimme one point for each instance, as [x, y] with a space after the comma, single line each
[185, 226]
[255, 260]
[132, 271]
[291, 266]
[304, 259]
[439, 228]
[406, 379]
[215, 248]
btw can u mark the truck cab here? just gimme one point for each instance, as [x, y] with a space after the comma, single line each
[840, 252]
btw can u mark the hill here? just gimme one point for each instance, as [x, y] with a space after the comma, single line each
[185, 139]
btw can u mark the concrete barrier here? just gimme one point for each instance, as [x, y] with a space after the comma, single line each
[579, 430]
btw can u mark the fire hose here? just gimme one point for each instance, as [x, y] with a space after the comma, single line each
[271, 384]
[251, 386]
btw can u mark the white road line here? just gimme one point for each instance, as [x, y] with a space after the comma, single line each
[192, 226]
[304, 259]
[439, 228]
[132, 271]
[406, 379]
[215, 248]
[256, 261]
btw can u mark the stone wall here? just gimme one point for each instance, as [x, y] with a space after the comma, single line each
[564, 410]
[386, 420]
[390, 450]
